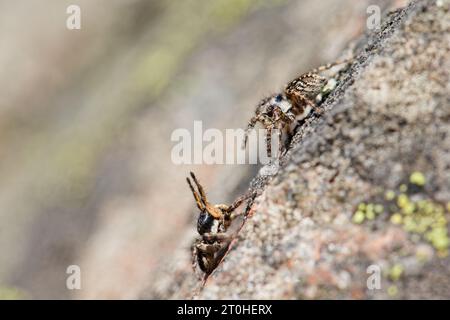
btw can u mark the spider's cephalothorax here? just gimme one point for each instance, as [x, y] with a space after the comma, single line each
[212, 225]
[280, 110]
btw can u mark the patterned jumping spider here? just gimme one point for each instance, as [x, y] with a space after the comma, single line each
[212, 225]
[280, 110]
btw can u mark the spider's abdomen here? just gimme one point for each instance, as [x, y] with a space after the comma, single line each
[308, 84]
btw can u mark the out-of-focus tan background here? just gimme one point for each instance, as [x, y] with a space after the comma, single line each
[86, 117]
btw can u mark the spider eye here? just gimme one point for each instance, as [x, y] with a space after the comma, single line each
[278, 98]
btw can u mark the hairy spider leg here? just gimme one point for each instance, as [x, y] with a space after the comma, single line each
[216, 213]
[331, 65]
[198, 201]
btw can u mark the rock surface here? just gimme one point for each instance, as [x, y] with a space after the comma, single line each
[365, 184]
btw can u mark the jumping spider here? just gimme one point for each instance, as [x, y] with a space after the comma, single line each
[280, 110]
[212, 225]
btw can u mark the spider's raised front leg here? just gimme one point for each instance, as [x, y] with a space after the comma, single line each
[201, 200]
[197, 198]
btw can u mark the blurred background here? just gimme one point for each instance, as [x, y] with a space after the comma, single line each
[86, 118]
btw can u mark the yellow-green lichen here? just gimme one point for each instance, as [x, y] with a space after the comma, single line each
[379, 208]
[396, 218]
[389, 195]
[358, 217]
[402, 200]
[423, 216]
[367, 211]
[370, 215]
[418, 214]
[392, 291]
[396, 272]
[417, 178]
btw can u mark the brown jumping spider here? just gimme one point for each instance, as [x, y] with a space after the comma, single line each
[280, 110]
[212, 225]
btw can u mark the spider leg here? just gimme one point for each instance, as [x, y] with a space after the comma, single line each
[227, 211]
[224, 220]
[194, 257]
[269, 129]
[198, 201]
[200, 188]
[280, 145]
[280, 118]
[236, 214]
[238, 202]
[331, 65]
[211, 210]
[302, 98]
[219, 236]
[250, 127]
[290, 116]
